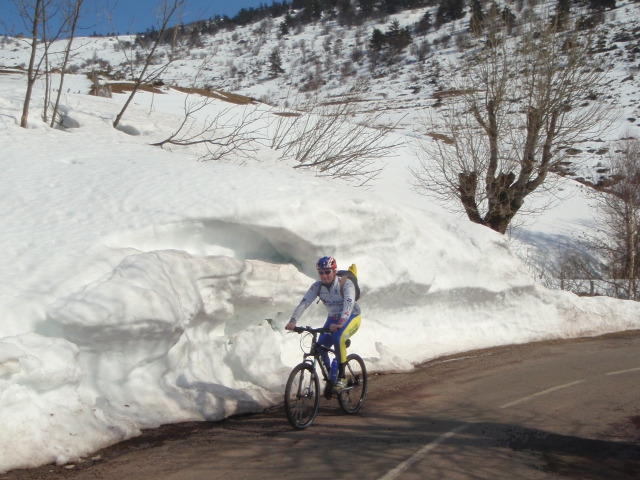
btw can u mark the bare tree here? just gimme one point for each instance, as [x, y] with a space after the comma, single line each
[618, 240]
[47, 68]
[420, 50]
[336, 138]
[520, 103]
[227, 131]
[36, 16]
[50, 34]
[217, 134]
[168, 10]
[32, 15]
[72, 16]
[565, 266]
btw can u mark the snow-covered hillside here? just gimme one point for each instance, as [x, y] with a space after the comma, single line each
[322, 58]
[314, 57]
[139, 286]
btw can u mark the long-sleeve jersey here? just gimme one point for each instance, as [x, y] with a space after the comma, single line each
[337, 307]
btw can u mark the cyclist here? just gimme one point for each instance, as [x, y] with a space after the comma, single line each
[339, 296]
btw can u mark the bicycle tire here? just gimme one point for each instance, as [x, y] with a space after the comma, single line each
[302, 396]
[352, 398]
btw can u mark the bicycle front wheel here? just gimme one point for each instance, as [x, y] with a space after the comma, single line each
[302, 396]
[352, 397]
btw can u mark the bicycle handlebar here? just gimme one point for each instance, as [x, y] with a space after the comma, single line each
[310, 330]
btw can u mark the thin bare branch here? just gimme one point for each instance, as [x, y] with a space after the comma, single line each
[335, 138]
[168, 10]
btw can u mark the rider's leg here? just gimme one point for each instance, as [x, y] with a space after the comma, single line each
[340, 338]
[326, 340]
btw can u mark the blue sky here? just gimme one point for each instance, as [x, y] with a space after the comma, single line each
[129, 15]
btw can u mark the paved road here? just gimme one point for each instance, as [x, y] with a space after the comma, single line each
[562, 409]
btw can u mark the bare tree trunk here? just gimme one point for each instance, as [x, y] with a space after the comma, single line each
[47, 86]
[632, 268]
[631, 251]
[75, 16]
[133, 92]
[169, 9]
[31, 75]
[47, 71]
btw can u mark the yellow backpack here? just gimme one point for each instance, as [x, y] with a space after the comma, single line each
[351, 274]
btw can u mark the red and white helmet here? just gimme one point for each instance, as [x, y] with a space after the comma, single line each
[327, 262]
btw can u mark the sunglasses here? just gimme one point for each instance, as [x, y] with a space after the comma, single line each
[324, 272]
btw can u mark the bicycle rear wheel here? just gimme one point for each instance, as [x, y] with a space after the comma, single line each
[302, 396]
[352, 397]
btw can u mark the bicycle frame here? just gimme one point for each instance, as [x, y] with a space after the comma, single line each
[317, 359]
[315, 353]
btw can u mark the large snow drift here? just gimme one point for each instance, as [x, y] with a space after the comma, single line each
[140, 287]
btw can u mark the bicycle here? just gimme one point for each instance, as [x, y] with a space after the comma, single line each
[301, 397]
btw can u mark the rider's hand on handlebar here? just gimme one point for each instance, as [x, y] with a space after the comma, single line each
[290, 326]
[334, 327]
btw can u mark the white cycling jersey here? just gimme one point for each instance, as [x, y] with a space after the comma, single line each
[337, 306]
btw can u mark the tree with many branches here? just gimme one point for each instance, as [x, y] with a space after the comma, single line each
[521, 103]
[617, 243]
[37, 16]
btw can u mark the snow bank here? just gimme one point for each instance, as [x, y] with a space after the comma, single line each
[140, 287]
[44, 416]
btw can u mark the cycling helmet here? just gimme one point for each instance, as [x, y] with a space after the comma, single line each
[327, 262]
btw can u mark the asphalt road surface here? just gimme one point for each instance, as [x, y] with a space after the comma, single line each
[561, 409]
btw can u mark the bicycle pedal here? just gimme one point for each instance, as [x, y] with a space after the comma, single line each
[328, 391]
